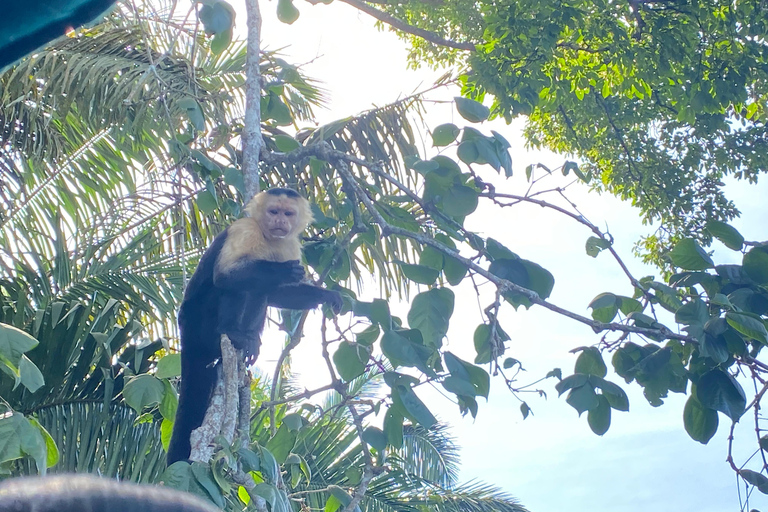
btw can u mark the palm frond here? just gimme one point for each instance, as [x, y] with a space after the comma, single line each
[95, 439]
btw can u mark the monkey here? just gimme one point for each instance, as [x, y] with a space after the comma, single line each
[89, 493]
[252, 264]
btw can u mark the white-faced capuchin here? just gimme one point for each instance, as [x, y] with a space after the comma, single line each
[252, 264]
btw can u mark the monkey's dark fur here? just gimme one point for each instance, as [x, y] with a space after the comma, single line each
[233, 300]
[85, 493]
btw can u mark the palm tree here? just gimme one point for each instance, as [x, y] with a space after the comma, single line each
[99, 165]
[422, 475]
[103, 210]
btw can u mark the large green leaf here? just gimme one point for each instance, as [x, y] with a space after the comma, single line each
[445, 134]
[143, 391]
[430, 313]
[700, 422]
[471, 110]
[726, 234]
[688, 254]
[590, 362]
[350, 360]
[756, 264]
[718, 390]
[749, 326]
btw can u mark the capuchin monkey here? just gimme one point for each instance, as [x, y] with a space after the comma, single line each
[88, 493]
[252, 264]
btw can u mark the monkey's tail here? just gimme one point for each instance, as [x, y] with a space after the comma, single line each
[197, 382]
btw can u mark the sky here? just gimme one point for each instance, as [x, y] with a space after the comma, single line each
[551, 461]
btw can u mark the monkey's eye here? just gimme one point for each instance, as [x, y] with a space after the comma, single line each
[289, 213]
[274, 211]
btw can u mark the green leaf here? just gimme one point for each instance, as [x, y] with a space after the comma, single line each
[375, 437]
[616, 396]
[21, 438]
[350, 360]
[419, 273]
[368, 336]
[523, 273]
[194, 113]
[169, 366]
[583, 398]
[14, 343]
[285, 143]
[294, 421]
[393, 428]
[170, 402]
[143, 391]
[281, 445]
[525, 410]
[757, 479]
[482, 342]
[749, 326]
[467, 152]
[286, 11]
[755, 264]
[460, 201]
[718, 390]
[30, 375]
[430, 313]
[403, 352]
[700, 422]
[217, 17]
[667, 296]
[471, 110]
[599, 418]
[445, 134]
[454, 270]
[458, 386]
[206, 202]
[604, 307]
[595, 245]
[468, 372]
[266, 491]
[694, 312]
[688, 255]
[221, 41]
[234, 178]
[416, 407]
[432, 258]
[249, 459]
[730, 237]
[629, 305]
[332, 504]
[590, 362]
[570, 382]
[52, 451]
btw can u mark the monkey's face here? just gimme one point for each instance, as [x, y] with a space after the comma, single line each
[279, 218]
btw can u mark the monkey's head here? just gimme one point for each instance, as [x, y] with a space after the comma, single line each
[280, 212]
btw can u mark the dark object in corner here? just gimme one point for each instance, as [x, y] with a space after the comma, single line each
[87, 493]
[28, 25]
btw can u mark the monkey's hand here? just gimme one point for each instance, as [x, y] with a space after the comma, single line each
[334, 300]
[287, 272]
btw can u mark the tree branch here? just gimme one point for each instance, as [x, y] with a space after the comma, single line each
[409, 29]
[324, 151]
[252, 141]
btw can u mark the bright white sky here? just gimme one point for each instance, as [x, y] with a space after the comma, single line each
[551, 461]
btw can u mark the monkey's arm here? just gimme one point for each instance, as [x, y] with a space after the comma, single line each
[257, 274]
[304, 296]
